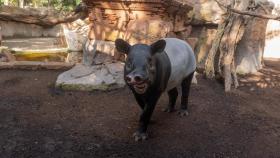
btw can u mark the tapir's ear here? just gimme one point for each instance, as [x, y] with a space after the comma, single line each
[122, 46]
[158, 46]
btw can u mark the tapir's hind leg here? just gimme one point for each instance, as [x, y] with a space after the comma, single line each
[186, 84]
[172, 94]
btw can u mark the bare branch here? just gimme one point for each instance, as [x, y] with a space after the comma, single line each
[263, 16]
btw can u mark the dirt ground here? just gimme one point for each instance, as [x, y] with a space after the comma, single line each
[38, 121]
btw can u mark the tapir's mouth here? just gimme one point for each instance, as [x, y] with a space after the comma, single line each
[141, 88]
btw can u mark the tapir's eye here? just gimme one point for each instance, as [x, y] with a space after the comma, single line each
[128, 66]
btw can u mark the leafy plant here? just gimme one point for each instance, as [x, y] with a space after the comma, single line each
[63, 5]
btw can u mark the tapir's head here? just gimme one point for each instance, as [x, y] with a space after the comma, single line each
[139, 71]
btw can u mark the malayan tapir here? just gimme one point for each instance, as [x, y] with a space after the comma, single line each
[153, 69]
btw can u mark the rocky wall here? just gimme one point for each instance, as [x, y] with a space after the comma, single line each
[208, 11]
[137, 21]
[12, 29]
[16, 30]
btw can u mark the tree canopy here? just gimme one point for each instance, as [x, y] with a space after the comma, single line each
[65, 5]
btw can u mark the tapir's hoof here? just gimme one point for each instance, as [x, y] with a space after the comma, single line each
[183, 113]
[140, 136]
[168, 110]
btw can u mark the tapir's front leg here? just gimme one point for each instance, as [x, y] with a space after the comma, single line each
[140, 100]
[141, 133]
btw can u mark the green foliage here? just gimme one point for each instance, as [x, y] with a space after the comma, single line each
[64, 5]
[11, 2]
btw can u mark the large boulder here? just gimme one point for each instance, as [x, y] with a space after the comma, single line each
[107, 76]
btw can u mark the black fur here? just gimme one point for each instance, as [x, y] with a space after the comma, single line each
[172, 95]
[148, 100]
[158, 47]
[186, 84]
[122, 46]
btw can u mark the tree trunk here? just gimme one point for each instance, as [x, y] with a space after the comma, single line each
[229, 34]
[234, 34]
[21, 3]
[49, 3]
[6, 2]
[35, 4]
[210, 61]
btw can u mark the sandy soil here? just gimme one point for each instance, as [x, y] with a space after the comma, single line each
[38, 121]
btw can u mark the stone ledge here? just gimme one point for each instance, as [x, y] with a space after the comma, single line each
[49, 51]
[107, 76]
[34, 65]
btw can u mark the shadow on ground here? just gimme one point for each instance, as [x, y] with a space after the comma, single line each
[268, 77]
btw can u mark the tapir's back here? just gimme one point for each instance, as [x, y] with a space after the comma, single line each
[182, 61]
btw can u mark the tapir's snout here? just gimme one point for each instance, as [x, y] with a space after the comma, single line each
[134, 79]
[138, 82]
